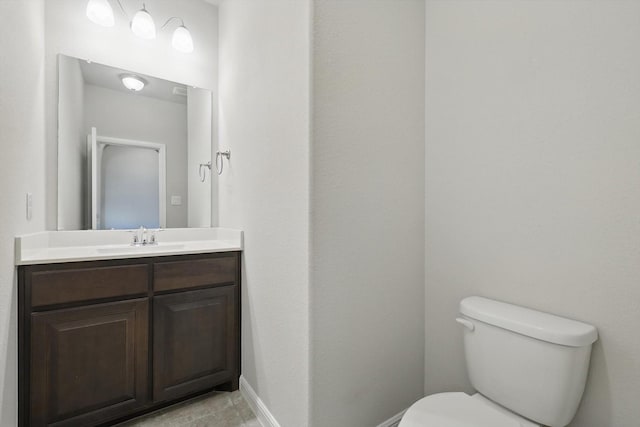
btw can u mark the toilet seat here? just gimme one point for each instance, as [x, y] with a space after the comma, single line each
[458, 410]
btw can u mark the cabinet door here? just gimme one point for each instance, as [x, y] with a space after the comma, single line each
[88, 364]
[194, 345]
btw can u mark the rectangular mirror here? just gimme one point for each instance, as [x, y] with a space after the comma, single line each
[133, 150]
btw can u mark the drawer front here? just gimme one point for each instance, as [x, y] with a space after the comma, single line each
[195, 273]
[51, 287]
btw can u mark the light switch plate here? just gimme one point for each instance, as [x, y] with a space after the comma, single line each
[176, 200]
[29, 206]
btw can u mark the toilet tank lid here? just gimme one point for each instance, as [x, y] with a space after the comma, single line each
[532, 323]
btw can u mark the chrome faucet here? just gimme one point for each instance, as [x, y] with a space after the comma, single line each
[143, 237]
[139, 236]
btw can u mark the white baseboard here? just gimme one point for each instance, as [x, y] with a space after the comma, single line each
[259, 408]
[393, 421]
[268, 420]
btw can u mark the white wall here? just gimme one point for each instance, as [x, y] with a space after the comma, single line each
[22, 170]
[143, 118]
[202, 211]
[367, 257]
[72, 156]
[68, 31]
[532, 179]
[264, 120]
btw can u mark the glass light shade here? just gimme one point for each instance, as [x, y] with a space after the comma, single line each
[142, 25]
[100, 12]
[133, 83]
[182, 40]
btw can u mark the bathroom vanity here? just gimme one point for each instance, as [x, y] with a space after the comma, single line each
[125, 330]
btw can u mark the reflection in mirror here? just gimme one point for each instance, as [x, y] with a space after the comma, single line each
[128, 182]
[130, 148]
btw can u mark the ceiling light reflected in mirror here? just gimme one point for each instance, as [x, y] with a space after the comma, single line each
[133, 82]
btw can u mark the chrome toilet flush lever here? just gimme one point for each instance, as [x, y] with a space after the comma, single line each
[466, 323]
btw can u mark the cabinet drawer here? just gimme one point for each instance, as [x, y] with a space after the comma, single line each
[194, 273]
[51, 287]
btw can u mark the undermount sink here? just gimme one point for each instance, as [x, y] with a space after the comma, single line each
[141, 248]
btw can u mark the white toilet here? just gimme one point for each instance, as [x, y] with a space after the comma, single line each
[528, 367]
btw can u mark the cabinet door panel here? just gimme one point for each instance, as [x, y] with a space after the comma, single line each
[88, 364]
[194, 341]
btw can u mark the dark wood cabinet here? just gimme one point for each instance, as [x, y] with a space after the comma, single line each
[193, 340]
[88, 364]
[103, 341]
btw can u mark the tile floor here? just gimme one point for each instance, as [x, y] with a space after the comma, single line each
[219, 409]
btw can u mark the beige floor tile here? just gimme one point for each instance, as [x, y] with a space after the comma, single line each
[214, 410]
[236, 397]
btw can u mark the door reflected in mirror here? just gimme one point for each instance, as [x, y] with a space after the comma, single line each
[130, 150]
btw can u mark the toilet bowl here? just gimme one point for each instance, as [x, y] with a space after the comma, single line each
[460, 410]
[529, 369]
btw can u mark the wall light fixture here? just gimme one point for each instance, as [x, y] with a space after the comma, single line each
[100, 12]
[181, 39]
[142, 24]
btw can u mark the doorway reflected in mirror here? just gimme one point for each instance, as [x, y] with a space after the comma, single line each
[130, 187]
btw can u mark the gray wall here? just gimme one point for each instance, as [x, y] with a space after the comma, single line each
[22, 170]
[367, 211]
[203, 196]
[533, 179]
[264, 190]
[72, 155]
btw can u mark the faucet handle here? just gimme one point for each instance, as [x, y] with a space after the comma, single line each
[153, 239]
[136, 239]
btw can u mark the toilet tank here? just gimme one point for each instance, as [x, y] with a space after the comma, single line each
[530, 362]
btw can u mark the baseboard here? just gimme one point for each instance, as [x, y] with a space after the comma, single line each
[259, 408]
[268, 420]
[393, 421]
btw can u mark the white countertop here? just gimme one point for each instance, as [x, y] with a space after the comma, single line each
[50, 247]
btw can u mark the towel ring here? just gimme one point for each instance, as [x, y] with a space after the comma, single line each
[202, 172]
[220, 155]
